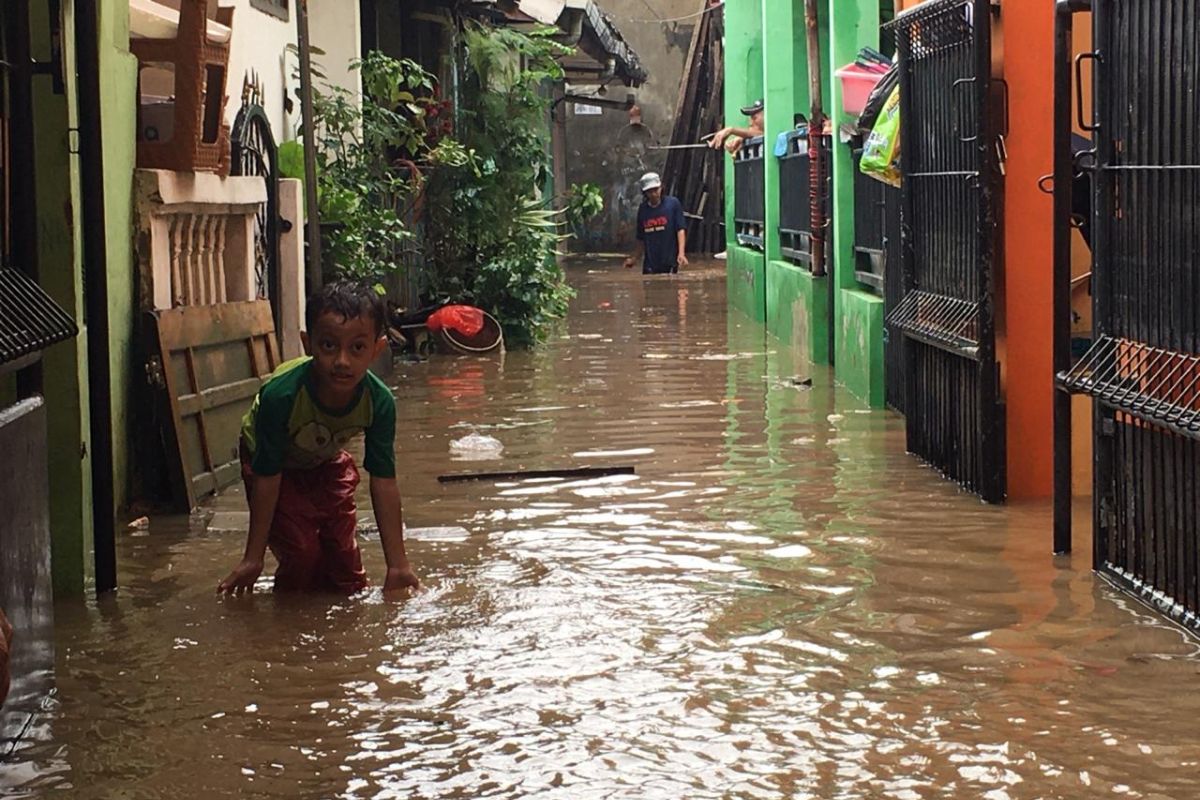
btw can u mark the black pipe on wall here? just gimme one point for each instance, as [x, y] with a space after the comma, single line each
[95, 272]
[1064, 177]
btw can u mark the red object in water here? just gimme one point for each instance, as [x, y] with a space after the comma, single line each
[466, 320]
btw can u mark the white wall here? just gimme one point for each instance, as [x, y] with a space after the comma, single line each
[260, 43]
[335, 27]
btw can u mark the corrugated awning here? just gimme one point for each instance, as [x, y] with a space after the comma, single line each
[29, 320]
[601, 40]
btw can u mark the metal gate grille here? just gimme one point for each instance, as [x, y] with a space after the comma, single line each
[748, 188]
[254, 153]
[947, 315]
[795, 206]
[1144, 364]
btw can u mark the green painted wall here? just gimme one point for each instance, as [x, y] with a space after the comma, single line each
[797, 306]
[743, 83]
[783, 49]
[859, 345]
[859, 326]
[60, 262]
[59, 257]
[747, 282]
[118, 91]
[798, 310]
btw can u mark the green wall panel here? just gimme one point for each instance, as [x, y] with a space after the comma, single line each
[860, 346]
[798, 310]
[766, 48]
[118, 116]
[747, 281]
[859, 327]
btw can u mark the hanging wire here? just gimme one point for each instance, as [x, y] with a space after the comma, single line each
[699, 13]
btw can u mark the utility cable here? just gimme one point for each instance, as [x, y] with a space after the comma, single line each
[700, 13]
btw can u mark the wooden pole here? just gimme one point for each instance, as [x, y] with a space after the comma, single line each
[308, 133]
[816, 130]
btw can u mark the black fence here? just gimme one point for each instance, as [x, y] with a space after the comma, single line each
[870, 226]
[795, 200]
[1143, 367]
[749, 187]
[950, 182]
[877, 212]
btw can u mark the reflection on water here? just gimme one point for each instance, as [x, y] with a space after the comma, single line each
[779, 603]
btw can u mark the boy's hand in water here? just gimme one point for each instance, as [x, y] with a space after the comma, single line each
[242, 579]
[399, 578]
[6, 636]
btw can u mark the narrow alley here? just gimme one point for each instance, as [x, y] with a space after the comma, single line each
[779, 603]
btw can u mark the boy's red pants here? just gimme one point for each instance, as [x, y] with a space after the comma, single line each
[312, 534]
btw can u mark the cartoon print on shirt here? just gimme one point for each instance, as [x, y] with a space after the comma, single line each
[313, 438]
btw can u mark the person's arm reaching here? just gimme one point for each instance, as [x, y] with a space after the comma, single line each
[389, 516]
[380, 461]
[680, 235]
[270, 431]
[639, 252]
[718, 139]
[264, 496]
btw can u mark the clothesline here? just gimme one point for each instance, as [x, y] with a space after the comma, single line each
[700, 13]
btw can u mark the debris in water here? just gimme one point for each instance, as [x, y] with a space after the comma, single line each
[569, 472]
[140, 524]
[801, 381]
[477, 446]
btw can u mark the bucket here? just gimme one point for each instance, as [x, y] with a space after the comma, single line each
[490, 337]
[857, 84]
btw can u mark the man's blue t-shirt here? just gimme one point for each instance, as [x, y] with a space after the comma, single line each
[658, 228]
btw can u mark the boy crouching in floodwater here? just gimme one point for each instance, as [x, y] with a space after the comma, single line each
[300, 481]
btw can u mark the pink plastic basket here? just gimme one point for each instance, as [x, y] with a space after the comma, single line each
[857, 84]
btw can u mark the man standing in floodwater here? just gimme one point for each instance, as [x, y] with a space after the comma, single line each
[661, 231]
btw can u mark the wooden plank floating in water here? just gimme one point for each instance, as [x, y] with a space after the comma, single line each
[526, 474]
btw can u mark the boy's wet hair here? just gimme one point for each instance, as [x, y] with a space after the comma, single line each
[349, 301]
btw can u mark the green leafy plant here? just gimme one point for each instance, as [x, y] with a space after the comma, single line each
[583, 201]
[369, 157]
[491, 234]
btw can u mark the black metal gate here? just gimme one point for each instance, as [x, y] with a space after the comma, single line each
[1143, 367]
[950, 146]
[748, 193]
[254, 153]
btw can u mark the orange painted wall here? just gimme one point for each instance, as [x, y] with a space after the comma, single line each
[1029, 70]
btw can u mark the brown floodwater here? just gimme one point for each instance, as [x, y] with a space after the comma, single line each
[779, 604]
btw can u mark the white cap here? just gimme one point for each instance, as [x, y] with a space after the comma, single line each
[650, 181]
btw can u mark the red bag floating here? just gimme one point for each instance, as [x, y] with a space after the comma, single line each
[466, 320]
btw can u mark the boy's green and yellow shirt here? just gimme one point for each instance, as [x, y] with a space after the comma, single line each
[288, 428]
